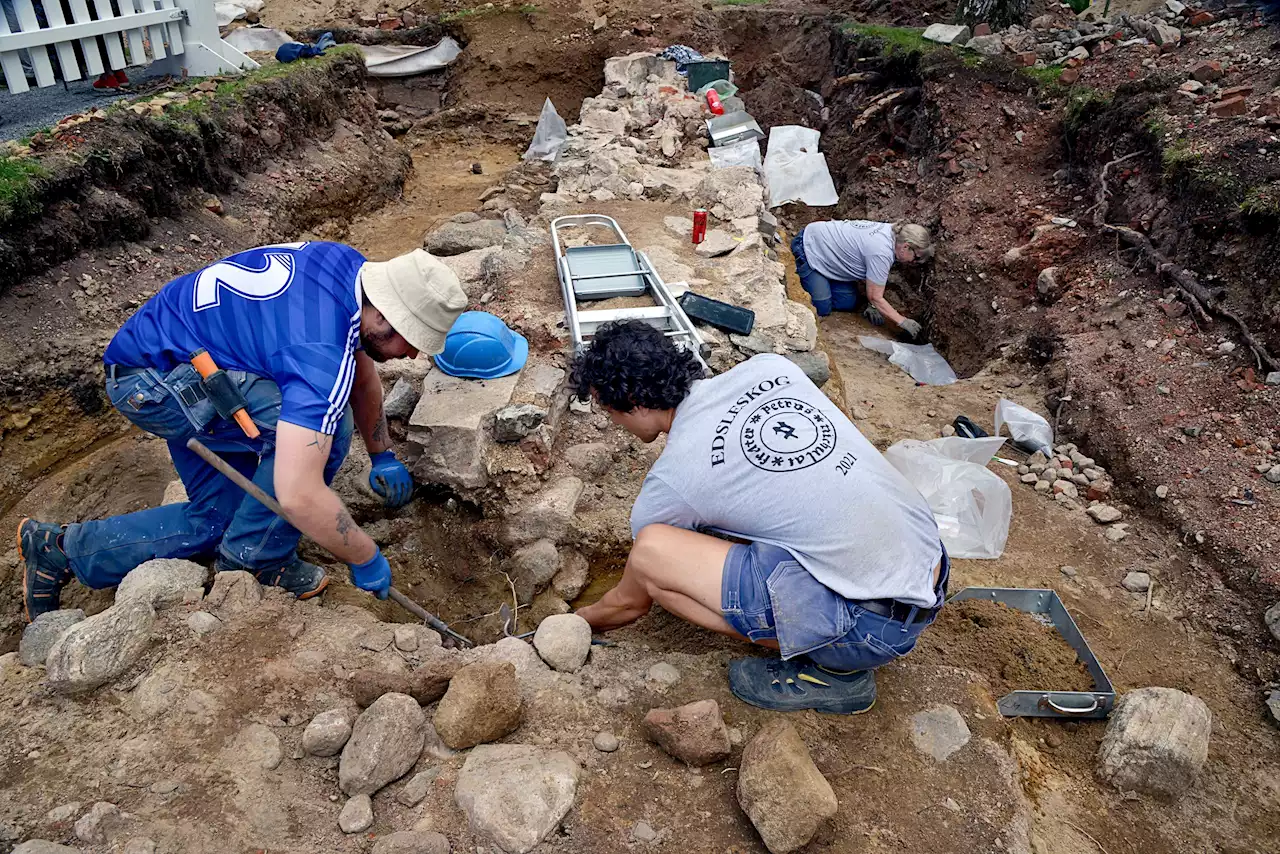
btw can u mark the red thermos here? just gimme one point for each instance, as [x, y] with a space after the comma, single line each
[699, 225]
[713, 101]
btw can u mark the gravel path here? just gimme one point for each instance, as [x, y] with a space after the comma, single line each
[22, 114]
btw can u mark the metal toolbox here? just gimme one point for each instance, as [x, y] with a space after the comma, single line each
[1048, 703]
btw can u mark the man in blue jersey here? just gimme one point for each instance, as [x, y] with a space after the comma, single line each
[299, 328]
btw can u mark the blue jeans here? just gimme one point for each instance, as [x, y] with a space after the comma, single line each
[826, 294]
[767, 595]
[218, 516]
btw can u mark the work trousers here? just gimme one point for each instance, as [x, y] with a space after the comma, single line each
[218, 518]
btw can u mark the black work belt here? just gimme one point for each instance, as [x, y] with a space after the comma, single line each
[892, 609]
[188, 394]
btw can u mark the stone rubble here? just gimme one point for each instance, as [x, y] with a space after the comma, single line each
[386, 741]
[781, 790]
[356, 815]
[695, 733]
[233, 593]
[412, 842]
[96, 650]
[161, 583]
[482, 704]
[101, 821]
[516, 794]
[563, 641]
[939, 732]
[328, 732]
[39, 637]
[1156, 742]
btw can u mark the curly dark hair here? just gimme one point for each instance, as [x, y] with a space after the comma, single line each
[632, 364]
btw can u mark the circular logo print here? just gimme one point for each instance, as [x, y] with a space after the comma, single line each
[786, 434]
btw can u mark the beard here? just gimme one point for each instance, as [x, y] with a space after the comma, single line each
[372, 342]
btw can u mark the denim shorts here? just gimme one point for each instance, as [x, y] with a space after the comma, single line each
[765, 594]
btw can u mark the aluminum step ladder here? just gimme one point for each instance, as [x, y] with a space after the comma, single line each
[609, 271]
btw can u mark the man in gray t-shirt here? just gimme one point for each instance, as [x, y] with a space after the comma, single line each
[840, 260]
[842, 565]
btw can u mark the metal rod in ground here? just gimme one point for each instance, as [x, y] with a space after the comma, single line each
[274, 506]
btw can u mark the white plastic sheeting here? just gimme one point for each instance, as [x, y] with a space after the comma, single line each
[972, 505]
[1026, 428]
[745, 153]
[406, 60]
[245, 39]
[921, 361]
[794, 169]
[548, 136]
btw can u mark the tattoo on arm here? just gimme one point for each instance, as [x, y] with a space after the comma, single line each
[381, 436]
[321, 441]
[344, 525]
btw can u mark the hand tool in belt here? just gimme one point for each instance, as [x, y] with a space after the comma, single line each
[223, 392]
[274, 506]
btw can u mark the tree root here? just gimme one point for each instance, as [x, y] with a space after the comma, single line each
[1202, 301]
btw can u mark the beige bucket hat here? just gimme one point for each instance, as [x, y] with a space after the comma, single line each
[418, 295]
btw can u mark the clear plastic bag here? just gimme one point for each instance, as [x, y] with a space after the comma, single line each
[745, 153]
[921, 361]
[548, 136]
[972, 505]
[723, 88]
[1026, 428]
[794, 170]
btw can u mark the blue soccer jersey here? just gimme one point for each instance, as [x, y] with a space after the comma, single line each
[289, 312]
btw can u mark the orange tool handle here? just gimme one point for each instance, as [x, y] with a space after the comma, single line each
[206, 367]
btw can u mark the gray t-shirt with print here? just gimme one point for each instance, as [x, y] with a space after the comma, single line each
[850, 250]
[760, 453]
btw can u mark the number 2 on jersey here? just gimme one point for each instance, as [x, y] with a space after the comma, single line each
[265, 283]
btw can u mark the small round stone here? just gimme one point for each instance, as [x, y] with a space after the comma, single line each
[605, 742]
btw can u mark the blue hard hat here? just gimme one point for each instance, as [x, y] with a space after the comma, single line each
[481, 346]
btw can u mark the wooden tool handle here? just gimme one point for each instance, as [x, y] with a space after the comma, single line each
[271, 504]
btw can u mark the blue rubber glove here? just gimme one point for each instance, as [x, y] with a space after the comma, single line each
[391, 479]
[324, 43]
[374, 575]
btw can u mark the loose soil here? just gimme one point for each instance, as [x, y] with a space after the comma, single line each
[1013, 649]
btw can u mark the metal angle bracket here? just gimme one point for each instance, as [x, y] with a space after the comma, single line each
[1068, 705]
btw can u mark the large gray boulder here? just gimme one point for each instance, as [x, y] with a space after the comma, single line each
[517, 794]
[384, 745]
[39, 637]
[781, 790]
[95, 651]
[1156, 742]
[161, 583]
[454, 238]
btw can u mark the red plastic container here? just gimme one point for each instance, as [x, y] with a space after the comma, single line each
[713, 101]
[699, 225]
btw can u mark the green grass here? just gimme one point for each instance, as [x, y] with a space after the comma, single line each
[1178, 155]
[1046, 77]
[905, 39]
[235, 87]
[26, 140]
[1262, 201]
[1083, 105]
[18, 196]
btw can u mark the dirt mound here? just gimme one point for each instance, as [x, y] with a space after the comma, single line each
[1013, 649]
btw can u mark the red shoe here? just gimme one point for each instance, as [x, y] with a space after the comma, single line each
[107, 81]
[120, 76]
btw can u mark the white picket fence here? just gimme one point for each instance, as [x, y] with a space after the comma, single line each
[178, 37]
